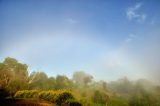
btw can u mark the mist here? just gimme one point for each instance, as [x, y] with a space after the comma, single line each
[97, 52]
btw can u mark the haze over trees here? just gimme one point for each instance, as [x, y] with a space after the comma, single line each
[14, 78]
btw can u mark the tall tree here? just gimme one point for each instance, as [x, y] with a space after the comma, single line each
[14, 75]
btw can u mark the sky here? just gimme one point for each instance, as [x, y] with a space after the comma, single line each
[108, 39]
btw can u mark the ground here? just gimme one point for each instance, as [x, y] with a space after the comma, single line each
[24, 102]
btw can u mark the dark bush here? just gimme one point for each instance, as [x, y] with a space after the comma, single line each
[63, 96]
[72, 102]
[3, 93]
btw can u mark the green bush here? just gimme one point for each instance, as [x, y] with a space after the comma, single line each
[27, 94]
[58, 97]
[47, 95]
[19, 94]
[62, 96]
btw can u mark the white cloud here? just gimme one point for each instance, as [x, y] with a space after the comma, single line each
[153, 21]
[142, 18]
[130, 38]
[72, 21]
[133, 13]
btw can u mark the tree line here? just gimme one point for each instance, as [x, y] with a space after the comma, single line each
[14, 77]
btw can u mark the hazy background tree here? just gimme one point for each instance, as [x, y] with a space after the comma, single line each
[122, 92]
[63, 82]
[38, 80]
[100, 97]
[81, 78]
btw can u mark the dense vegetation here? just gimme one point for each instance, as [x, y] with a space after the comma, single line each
[15, 82]
[57, 97]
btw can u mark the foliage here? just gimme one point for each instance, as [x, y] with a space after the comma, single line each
[100, 97]
[14, 75]
[58, 97]
[142, 98]
[72, 102]
[117, 101]
[59, 90]
[16, 85]
[81, 78]
[27, 94]
[62, 82]
[38, 80]
[87, 102]
[63, 96]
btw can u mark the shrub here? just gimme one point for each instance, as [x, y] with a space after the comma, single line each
[33, 94]
[19, 94]
[72, 102]
[47, 95]
[63, 96]
[99, 97]
[58, 97]
[27, 94]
